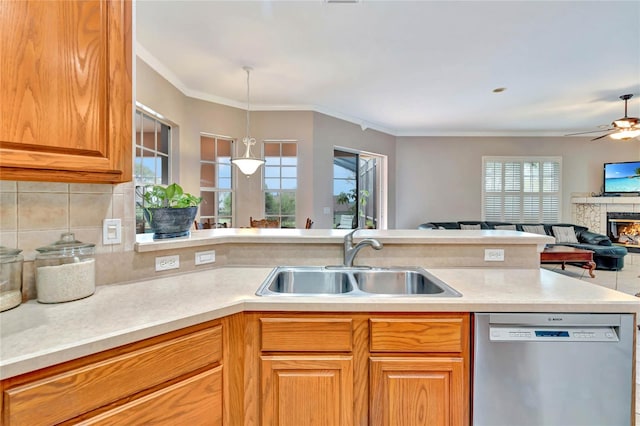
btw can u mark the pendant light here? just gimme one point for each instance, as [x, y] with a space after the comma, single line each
[248, 164]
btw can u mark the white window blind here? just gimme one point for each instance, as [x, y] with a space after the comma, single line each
[521, 189]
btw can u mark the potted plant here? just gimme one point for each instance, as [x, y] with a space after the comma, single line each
[169, 210]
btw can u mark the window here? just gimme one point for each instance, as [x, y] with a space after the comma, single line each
[517, 189]
[216, 183]
[355, 189]
[152, 157]
[281, 182]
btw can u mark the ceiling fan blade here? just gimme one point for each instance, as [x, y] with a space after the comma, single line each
[600, 137]
[592, 131]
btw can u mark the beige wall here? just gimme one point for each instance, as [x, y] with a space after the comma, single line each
[317, 134]
[331, 132]
[440, 177]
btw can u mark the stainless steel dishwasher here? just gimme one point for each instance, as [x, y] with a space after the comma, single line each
[552, 369]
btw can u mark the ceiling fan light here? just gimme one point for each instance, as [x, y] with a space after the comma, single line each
[625, 134]
[625, 123]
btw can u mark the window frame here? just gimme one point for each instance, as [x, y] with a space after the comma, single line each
[280, 190]
[523, 201]
[216, 190]
[143, 112]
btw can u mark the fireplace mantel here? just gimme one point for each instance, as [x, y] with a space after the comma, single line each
[592, 211]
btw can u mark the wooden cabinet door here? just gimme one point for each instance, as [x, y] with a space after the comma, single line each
[417, 391]
[307, 389]
[65, 90]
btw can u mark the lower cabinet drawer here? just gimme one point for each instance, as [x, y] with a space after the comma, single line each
[418, 335]
[86, 388]
[193, 401]
[306, 334]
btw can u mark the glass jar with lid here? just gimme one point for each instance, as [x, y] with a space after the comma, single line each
[65, 270]
[10, 278]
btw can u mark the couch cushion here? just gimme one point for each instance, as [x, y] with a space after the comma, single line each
[578, 228]
[505, 227]
[463, 226]
[564, 234]
[534, 229]
[589, 237]
[445, 225]
[483, 225]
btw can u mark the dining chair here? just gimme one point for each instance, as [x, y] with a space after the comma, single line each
[264, 223]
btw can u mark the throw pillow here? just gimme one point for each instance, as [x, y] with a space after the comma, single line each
[534, 229]
[505, 227]
[462, 226]
[564, 234]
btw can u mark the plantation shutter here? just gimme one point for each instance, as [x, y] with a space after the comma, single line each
[521, 189]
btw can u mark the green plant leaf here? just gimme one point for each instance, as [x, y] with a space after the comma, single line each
[173, 195]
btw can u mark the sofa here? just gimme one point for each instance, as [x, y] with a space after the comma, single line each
[606, 255]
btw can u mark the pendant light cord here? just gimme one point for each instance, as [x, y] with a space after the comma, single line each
[248, 70]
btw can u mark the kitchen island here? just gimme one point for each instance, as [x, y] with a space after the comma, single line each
[41, 341]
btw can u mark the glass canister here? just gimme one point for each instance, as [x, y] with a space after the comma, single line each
[65, 270]
[10, 278]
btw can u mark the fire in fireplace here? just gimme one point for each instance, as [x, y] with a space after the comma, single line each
[624, 229]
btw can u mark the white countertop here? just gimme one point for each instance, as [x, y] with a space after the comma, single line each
[145, 242]
[35, 335]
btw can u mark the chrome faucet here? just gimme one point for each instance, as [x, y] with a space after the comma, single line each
[351, 250]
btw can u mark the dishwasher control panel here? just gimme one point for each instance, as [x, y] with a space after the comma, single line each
[551, 334]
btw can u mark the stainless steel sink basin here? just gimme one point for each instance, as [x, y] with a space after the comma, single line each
[306, 281]
[402, 281]
[357, 281]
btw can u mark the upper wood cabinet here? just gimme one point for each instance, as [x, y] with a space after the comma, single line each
[65, 90]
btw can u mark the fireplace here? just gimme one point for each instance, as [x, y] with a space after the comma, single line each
[624, 229]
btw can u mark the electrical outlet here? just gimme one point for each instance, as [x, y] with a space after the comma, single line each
[167, 262]
[204, 257]
[494, 255]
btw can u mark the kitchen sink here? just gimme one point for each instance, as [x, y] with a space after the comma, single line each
[306, 281]
[353, 281]
[402, 281]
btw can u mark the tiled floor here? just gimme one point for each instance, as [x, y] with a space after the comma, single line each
[627, 281]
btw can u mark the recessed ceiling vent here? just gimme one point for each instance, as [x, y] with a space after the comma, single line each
[342, 1]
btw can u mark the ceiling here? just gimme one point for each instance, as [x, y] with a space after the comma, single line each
[408, 68]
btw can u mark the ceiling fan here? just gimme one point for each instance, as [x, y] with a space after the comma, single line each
[624, 128]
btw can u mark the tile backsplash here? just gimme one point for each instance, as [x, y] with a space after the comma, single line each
[34, 214]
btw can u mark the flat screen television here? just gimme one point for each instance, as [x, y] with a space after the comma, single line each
[622, 178]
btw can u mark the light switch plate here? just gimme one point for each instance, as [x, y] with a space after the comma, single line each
[204, 257]
[111, 231]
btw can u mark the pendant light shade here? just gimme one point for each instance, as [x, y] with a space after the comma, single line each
[247, 163]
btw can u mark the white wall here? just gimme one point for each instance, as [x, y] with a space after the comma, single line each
[440, 178]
